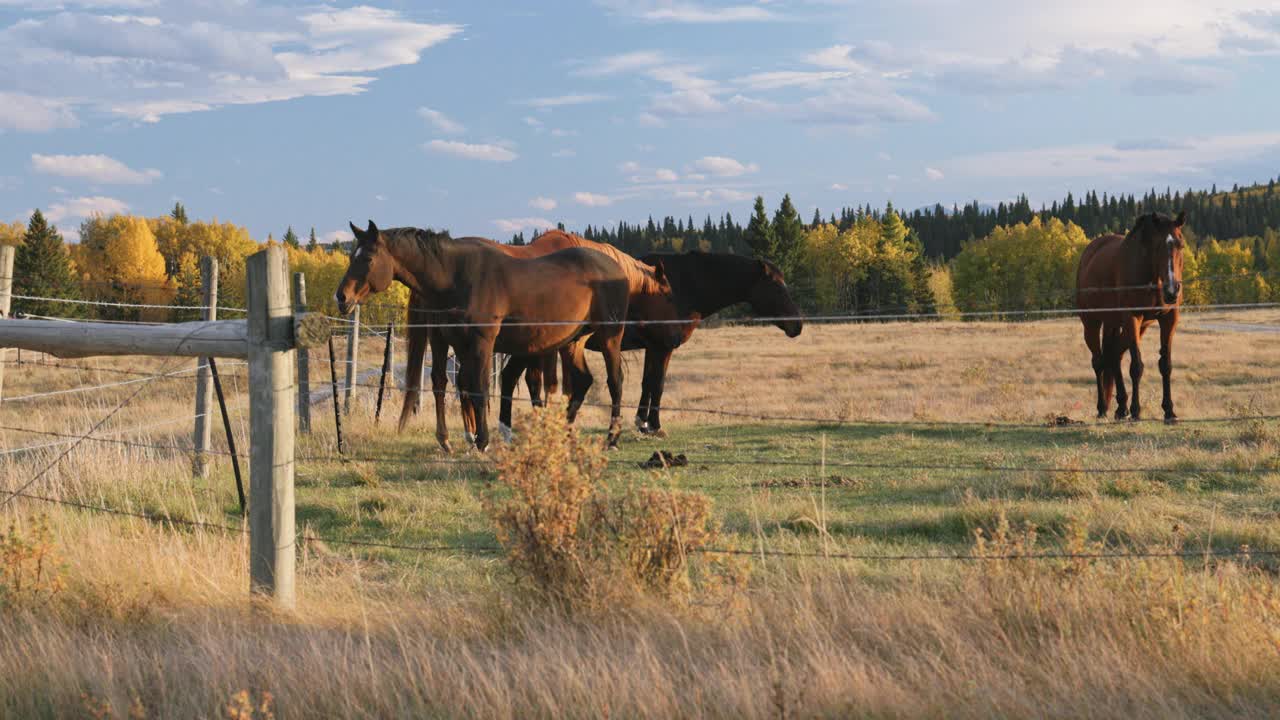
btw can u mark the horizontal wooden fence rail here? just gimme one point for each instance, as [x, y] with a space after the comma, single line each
[268, 339]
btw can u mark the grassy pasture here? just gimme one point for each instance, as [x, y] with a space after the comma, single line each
[154, 619]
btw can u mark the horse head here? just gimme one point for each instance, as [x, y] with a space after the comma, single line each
[770, 298]
[1161, 238]
[370, 268]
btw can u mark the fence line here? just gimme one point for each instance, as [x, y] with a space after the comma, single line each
[105, 303]
[1103, 555]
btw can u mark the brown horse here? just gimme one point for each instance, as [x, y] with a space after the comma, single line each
[492, 302]
[1124, 284]
[640, 277]
[702, 285]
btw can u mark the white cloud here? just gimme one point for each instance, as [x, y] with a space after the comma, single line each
[336, 236]
[84, 207]
[712, 195]
[191, 57]
[592, 199]
[544, 204]
[92, 168]
[565, 100]
[442, 122]
[1136, 162]
[791, 78]
[648, 119]
[532, 121]
[933, 173]
[626, 62]
[724, 166]
[690, 12]
[515, 225]
[560, 133]
[665, 175]
[480, 151]
[629, 166]
[28, 113]
[839, 186]
[836, 57]
[564, 153]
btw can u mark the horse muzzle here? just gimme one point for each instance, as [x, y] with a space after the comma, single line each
[792, 328]
[1171, 293]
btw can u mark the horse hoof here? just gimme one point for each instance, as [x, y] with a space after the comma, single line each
[508, 437]
[1170, 419]
[446, 447]
[642, 425]
[471, 439]
[1122, 414]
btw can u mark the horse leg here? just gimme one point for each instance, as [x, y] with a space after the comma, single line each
[417, 348]
[474, 376]
[533, 379]
[578, 376]
[509, 377]
[661, 362]
[646, 382]
[1113, 354]
[439, 386]
[613, 367]
[550, 376]
[566, 373]
[466, 404]
[1133, 336]
[1168, 322]
[1093, 339]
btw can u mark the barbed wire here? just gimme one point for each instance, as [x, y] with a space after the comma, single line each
[104, 386]
[105, 303]
[1117, 555]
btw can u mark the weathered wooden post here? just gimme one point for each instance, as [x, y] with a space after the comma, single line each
[271, 409]
[386, 369]
[353, 349]
[204, 388]
[6, 296]
[304, 357]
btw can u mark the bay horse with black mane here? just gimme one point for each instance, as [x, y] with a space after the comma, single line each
[1124, 284]
[490, 302]
[641, 277]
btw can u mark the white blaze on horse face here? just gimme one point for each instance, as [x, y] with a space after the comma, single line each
[1170, 242]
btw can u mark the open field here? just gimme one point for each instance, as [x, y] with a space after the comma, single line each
[898, 439]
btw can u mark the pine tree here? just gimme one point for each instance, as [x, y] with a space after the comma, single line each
[788, 235]
[179, 213]
[313, 244]
[42, 268]
[291, 238]
[760, 237]
[817, 218]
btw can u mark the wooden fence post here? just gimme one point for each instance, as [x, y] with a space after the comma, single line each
[353, 350]
[204, 388]
[6, 292]
[304, 357]
[271, 419]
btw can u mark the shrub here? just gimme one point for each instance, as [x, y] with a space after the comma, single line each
[28, 566]
[575, 544]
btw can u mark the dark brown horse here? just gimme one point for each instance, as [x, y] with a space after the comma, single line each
[491, 302]
[702, 285]
[640, 277]
[1124, 284]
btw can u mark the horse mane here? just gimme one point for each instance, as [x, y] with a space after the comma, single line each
[425, 240]
[1146, 219]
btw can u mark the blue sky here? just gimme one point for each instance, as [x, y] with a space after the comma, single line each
[486, 117]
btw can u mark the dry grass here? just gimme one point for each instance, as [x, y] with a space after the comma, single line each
[153, 621]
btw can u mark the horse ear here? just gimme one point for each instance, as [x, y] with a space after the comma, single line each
[357, 232]
[1181, 219]
[660, 272]
[372, 230]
